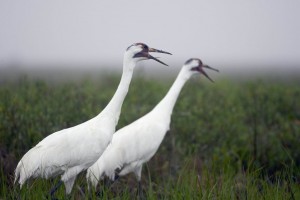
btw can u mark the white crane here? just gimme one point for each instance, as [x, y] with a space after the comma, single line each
[72, 150]
[137, 142]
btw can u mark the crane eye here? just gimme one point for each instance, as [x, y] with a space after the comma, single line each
[144, 46]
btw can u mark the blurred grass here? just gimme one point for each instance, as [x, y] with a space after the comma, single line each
[227, 140]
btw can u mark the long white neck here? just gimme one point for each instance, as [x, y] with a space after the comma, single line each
[166, 105]
[114, 106]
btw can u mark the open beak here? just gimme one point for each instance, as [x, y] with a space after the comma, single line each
[153, 58]
[146, 54]
[200, 69]
[157, 51]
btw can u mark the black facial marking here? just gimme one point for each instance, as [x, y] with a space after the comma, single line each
[195, 69]
[140, 54]
[189, 61]
[143, 53]
[144, 46]
[200, 62]
[129, 47]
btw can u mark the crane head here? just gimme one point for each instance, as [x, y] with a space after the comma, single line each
[141, 51]
[196, 65]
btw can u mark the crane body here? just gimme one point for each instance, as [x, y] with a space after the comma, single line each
[136, 143]
[72, 150]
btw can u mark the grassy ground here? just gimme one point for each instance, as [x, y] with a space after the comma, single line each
[227, 140]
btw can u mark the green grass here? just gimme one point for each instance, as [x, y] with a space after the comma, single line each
[228, 140]
[189, 183]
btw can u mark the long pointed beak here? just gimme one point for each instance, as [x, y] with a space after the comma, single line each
[153, 58]
[205, 74]
[208, 67]
[146, 54]
[158, 51]
[200, 69]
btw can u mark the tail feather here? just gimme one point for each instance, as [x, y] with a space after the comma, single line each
[27, 167]
[110, 160]
[113, 160]
[20, 174]
[17, 173]
[95, 174]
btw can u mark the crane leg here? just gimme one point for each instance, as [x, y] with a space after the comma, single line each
[110, 183]
[139, 191]
[55, 188]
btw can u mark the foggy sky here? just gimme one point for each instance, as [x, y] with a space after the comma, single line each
[221, 33]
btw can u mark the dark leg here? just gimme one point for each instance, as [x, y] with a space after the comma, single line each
[139, 191]
[112, 182]
[138, 174]
[17, 193]
[55, 188]
[81, 190]
[108, 184]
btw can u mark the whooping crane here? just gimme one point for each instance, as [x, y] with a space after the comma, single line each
[137, 142]
[72, 150]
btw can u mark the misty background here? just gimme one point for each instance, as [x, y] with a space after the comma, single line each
[238, 37]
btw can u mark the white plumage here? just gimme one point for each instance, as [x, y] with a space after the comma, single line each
[137, 142]
[72, 150]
